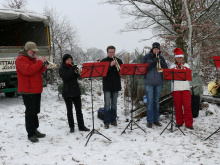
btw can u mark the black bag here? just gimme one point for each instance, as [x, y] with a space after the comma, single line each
[195, 102]
[101, 113]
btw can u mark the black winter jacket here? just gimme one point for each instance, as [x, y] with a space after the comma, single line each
[70, 84]
[153, 77]
[112, 81]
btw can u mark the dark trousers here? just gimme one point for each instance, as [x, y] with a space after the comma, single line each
[78, 105]
[32, 104]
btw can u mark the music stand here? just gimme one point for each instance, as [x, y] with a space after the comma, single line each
[133, 69]
[217, 64]
[89, 70]
[176, 74]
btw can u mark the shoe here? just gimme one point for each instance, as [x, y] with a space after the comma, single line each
[39, 135]
[158, 124]
[72, 130]
[192, 128]
[178, 125]
[149, 125]
[33, 139]
[106, 126]
[114, 123]
[84, 129]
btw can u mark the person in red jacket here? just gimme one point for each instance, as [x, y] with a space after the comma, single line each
[29, 71]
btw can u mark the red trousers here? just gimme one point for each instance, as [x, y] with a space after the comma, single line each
[182, 103]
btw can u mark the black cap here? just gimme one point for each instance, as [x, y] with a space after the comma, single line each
[156, 45]
[66, 56]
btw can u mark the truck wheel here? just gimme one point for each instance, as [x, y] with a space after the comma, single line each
[10, 94]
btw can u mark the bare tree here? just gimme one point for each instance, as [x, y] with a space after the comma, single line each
[64, 38]
[169, 21]
[15, 4]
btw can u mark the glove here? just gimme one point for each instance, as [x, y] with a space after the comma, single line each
[156, 59]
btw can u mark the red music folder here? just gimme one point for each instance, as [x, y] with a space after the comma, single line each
[94, 69]
[217, 62]
[178, 74]
[133, 69]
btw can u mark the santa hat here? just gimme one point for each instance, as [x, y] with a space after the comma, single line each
[178, 52]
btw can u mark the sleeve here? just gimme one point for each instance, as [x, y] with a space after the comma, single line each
[151, 63]
[67, 74]
[27, 68]
[163, 63]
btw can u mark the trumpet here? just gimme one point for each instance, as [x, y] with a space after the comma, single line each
[159, 69]
[50, 63]
[77, 70]
[117, 66]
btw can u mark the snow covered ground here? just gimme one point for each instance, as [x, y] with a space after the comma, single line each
[134, 147]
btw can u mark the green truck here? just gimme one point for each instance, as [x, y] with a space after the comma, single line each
[16, 28]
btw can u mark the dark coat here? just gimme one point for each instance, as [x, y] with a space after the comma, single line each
[70, 84]
[153, 77]
[112, 81]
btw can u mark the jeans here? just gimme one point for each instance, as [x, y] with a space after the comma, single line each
[153, 95]
[110, 107]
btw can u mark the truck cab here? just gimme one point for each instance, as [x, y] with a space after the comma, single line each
[16, 28]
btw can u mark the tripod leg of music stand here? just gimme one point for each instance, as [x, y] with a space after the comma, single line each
[90, 135]
[126, 127]
[102, 135]
[180, 129]
[213, 134]
[139, 126]
[165, 127]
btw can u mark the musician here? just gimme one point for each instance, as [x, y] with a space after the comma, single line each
[181, 94]
[29, 71]
[71, 92]
[111, 86]
[153, 81]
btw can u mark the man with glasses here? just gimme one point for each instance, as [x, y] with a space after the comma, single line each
[29, 71]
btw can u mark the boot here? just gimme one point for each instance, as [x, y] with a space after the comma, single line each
[39, 135]
[33, 139]
[72, 130]
[106, 126]
[84, 129]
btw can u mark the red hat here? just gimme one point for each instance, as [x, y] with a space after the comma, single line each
[178, 52]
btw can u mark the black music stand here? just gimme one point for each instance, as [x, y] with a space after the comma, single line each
[217, 64]
[133, 69]
[176, 74]
[89, 70]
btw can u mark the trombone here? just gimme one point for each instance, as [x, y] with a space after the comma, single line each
[117, 66]
[159, 69]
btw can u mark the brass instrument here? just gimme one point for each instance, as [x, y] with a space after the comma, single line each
[159, 69]
[77, 70]
[214, 87]
[117, 66]
[52, 64]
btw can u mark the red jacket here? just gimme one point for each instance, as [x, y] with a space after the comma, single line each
[29, 72]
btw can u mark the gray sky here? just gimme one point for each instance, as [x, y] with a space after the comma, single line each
[97, 24]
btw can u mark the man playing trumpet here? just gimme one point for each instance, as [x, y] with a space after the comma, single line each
[153, 81]
[111, 86]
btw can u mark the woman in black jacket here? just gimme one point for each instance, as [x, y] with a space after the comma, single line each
[71, 92]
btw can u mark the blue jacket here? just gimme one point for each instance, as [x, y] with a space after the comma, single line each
[153, 77]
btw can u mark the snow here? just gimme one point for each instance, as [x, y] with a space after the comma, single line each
[11, 14]
[134, 147]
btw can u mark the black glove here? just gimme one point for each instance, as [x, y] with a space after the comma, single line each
[156, 59]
